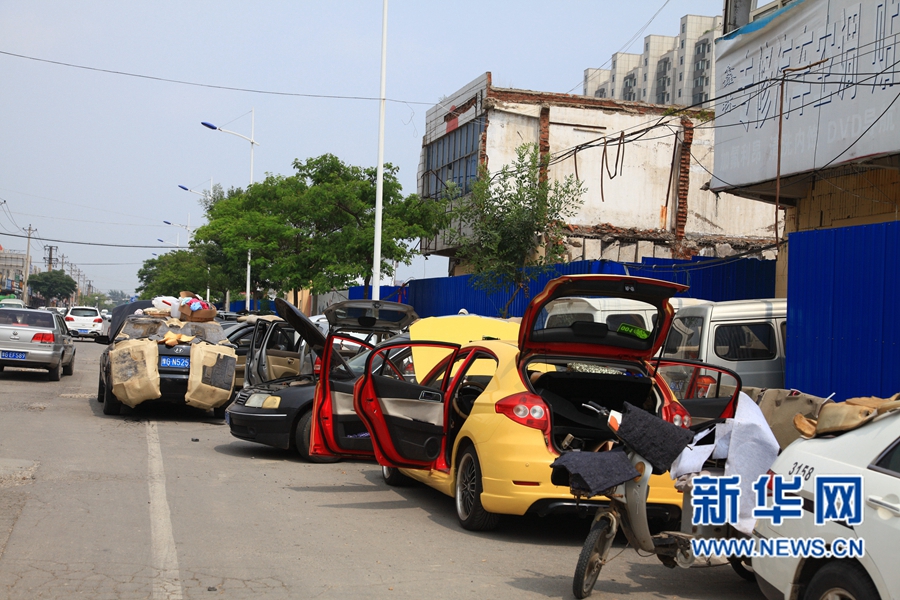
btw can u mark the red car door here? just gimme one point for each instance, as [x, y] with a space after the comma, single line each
[336, 429]
[706, 391]
[406, 419]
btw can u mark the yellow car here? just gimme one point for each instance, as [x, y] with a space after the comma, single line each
[481, 420]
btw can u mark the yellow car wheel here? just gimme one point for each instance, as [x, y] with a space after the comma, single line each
[471, 513]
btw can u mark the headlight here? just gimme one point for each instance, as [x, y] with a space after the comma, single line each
[263, 401]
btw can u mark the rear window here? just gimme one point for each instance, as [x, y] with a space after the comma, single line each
[84, 312]
[146, 327]
[747, 341]
[599, 320]
[26, 318]
[684, 338]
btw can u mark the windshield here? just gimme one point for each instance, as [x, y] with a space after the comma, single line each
[684, 338]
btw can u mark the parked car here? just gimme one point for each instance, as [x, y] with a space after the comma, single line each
[12, 303]
[174, 361]
[482, 421]
[871, 452]
[84, 321]
[745, 336]
[283, 367]
[36, 339]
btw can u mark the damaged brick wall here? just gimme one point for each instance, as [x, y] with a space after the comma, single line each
[679, 250]
[544, 140]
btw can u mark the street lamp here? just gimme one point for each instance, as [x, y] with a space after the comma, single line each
[253, 142]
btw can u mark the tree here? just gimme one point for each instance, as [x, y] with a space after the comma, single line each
[171, 273]
[52, 284]
[511, 226]
[315, 229]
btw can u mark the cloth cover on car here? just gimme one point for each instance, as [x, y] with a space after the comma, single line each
[211, 377]
[134, 371]
[658, 441]
[838, 417]
[593, 472]
[779, 406]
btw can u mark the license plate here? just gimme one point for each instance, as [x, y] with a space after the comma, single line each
[175, 361]
[13, 355]
[83, 330]
[227, 418]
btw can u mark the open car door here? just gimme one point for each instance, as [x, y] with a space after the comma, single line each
[336, 428]
[706, 391]
[406, 420]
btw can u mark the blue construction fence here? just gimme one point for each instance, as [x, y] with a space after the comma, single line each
[843, 334]
[714, 279]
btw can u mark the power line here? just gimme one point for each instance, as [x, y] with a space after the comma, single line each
[91, 243]
[207, 85]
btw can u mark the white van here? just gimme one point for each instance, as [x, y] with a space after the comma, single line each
[612, 311]
[746, 336]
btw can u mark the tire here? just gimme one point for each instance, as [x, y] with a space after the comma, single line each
[54, 373]
[742, 568]
[843, 580]
[101, 392]
[69, 369]
[301, 441]
[589, 561]
[111, 404]
[471, 513]
[393, 477]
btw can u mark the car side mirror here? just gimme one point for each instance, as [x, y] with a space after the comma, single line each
[101, 339]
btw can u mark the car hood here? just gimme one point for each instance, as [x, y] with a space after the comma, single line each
[301, 323]
[369, 315]
[589, 332]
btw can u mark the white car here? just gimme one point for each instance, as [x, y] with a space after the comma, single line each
[871, 452]
[84, 321]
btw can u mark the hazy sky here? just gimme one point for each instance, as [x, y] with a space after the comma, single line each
[92, 156]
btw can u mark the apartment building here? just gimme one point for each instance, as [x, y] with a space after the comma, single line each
[670, 70]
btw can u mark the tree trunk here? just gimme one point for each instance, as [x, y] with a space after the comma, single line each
[504, 312]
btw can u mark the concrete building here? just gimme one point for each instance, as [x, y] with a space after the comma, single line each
[12, 271]
[670, 70]
[645, 170]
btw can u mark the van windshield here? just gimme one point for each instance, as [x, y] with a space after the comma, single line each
[684, 338]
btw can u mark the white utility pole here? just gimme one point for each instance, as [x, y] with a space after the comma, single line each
[379, 180]
[25, 298]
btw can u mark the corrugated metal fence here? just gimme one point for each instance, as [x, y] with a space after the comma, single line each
[708, 278]
[843, 334]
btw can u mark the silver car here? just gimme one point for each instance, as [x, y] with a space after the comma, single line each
[36, 339]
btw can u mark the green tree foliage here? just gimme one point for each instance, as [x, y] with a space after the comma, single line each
[511, 226]
[171, 273]
[52, 284]
[315, 229]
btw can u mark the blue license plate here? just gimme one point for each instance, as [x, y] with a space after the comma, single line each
[13, 355]
[83, 330]
[175, 361]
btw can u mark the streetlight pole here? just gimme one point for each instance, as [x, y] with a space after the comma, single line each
[379, 180]
[252, 143]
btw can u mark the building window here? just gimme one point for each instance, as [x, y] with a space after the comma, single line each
[681, 77]
[645, 62]
[646, 45]
[614, 65]
[680, 60]
[683, 26]
[645, 77]
[679, 93]
[453, 158]
[613, 78]
[644, 92]
[682, 44]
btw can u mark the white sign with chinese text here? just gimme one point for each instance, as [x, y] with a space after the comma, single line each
[834, 112]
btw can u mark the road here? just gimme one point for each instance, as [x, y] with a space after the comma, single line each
[166, 504]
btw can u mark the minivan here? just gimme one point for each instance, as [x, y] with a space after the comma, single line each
[745, 336]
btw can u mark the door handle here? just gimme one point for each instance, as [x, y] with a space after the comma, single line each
[879, 502]
[430, 396]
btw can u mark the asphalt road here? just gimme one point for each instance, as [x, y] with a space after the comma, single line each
[131, 507]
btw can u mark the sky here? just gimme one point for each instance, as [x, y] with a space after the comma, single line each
[96, 155]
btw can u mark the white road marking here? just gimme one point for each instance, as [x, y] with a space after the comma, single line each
[167, 584]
